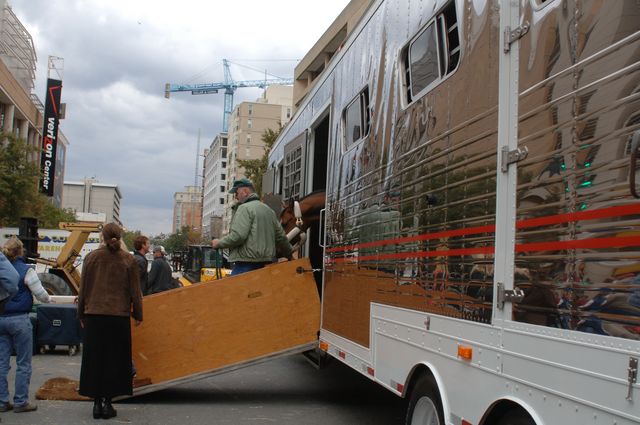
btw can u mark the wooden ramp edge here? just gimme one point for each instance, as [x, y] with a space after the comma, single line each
[210, 328]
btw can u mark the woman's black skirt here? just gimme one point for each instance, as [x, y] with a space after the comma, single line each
[106, 357]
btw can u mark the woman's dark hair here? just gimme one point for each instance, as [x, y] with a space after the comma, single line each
[111, 233]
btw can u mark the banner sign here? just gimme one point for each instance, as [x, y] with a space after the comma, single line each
[50, 139]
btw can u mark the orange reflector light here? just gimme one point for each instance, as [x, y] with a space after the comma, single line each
[324, 346]
[342, 354]
[370, 371]
[465, 352]
[399, 387]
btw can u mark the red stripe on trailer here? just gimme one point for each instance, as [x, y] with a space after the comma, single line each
[342, 354]
[593, 243]
[427, 236]
[370, 371]
[465, 422]
[617, 211]
[399, 387]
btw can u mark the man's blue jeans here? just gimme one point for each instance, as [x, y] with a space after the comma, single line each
[16, 332]
[243, 267]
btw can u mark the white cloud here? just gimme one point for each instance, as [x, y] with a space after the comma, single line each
[118, 54]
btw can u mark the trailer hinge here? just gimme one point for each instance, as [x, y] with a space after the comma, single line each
[511, 36]
[633, 376]
[514, 295]
[510, 157]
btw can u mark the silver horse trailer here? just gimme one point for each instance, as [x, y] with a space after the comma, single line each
[481, 235]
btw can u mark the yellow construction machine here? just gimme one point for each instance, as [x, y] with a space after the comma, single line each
[62, 276]
[203, 264]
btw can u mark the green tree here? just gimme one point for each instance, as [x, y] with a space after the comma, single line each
[19, 196]
[129, 236]
[178, 241]
[49, 216]
[254, 169]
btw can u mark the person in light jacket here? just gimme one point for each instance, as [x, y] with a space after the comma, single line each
[16, 332]
[254, 233]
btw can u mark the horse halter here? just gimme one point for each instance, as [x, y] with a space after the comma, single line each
[297, 213]
[298, 229]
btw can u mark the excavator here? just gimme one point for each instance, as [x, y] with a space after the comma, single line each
[62, 276]
[203, 264]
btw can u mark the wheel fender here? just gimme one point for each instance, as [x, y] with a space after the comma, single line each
[514, 400]
[428, 368]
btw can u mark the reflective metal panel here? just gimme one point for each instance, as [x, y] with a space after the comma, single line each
[578, 244]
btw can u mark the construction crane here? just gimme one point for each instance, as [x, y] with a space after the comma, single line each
[229, 86]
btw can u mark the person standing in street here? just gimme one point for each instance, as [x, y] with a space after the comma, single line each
[141, 245]
[16, 332]
[109, 295]
[255, 234]
[160, 278]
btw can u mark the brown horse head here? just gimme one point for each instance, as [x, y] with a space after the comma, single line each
[287, 216]
[310, 207]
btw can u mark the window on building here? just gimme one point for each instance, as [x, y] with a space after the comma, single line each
[249, 124]
[221, 201]
[249, 139]
[432, 54]
[288, 112]
[223, 176]
[250, 109]
[224, 164]
[356, 119]
[222, 189]
[247, 152]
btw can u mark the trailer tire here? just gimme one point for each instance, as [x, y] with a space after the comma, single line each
[516, 417]
[425, 407]
[54, 285]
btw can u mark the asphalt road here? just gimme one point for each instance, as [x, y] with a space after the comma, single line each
[282, 391]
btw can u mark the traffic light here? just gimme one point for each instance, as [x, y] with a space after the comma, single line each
[28, 234]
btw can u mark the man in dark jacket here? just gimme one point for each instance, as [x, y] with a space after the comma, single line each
[141, 245]
[160, 278]
[255, 232]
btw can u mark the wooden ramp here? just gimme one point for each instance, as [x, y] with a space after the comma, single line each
[205, 329]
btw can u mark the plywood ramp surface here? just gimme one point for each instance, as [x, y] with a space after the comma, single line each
[214, 325]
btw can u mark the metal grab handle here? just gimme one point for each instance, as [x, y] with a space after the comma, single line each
[635, 140]
[218, 264]
[322, 228]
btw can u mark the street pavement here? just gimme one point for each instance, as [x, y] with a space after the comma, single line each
[283, 391]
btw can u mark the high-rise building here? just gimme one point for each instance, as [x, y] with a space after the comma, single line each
[247, 124]
[318, 57]
[215, 186]
[21, 112]
[187, 209]
[91, 196]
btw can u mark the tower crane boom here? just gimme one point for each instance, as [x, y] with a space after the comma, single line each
[229, 86]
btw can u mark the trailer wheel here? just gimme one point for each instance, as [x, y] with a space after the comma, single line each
[425, 407]
[54, 285]
[516, 417]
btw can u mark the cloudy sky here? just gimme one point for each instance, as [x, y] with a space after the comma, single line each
[118, 55]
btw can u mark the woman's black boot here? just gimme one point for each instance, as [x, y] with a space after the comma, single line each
[107, 409]
[97, 408]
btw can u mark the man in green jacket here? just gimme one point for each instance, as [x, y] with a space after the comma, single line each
[255, 232]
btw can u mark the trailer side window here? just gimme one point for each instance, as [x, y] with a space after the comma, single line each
[356, 119]
[432, 54]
